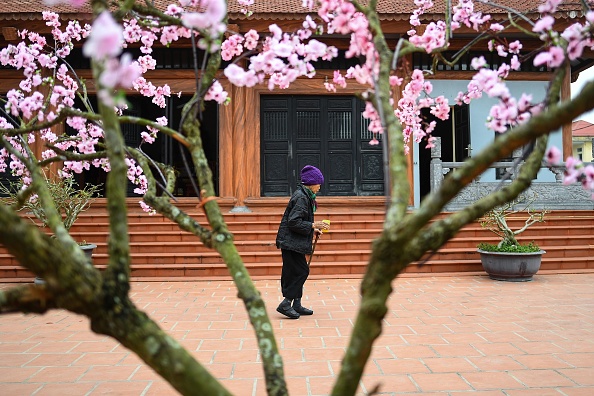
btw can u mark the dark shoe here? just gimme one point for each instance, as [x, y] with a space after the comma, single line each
[287, 310]
[300, 309]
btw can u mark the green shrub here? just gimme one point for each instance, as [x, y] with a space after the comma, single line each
[506, 248]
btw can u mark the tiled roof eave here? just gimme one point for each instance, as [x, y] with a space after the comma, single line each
[24, 16]
[37, 16]
[382, 17]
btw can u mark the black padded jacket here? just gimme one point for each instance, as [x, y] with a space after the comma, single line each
[295, 231]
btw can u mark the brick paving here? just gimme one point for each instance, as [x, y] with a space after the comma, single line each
[446, 335]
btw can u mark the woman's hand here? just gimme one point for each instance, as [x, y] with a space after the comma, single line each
[320, 225]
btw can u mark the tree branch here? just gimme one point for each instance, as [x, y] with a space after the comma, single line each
[26, 299]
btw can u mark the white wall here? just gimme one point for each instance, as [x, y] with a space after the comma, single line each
[480, 136]
[576, 86]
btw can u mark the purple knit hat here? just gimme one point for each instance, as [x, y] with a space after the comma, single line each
[311, 175]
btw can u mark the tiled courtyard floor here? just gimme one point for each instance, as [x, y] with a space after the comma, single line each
[447, 335]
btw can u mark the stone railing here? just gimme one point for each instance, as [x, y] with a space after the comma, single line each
[549, 195]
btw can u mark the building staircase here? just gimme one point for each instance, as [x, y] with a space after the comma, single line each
[160, 250]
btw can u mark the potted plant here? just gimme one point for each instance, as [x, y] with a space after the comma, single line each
[509, 260]
[70, 202]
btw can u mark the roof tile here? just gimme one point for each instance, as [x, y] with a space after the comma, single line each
[264, 9]
[582, 128]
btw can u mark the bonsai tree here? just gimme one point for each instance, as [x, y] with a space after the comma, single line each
[69, 199]
[496, 221]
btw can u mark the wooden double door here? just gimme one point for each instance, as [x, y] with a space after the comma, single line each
[328, 132]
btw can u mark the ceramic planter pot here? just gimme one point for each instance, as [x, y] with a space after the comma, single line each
[88, 249]
[514, 267]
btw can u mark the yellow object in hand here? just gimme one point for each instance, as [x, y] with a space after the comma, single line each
[327, 222]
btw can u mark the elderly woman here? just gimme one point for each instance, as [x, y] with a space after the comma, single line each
[294, 238]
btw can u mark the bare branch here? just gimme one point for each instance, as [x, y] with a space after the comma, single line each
[26, 299]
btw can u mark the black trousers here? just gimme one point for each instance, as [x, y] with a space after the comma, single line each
[294, 274]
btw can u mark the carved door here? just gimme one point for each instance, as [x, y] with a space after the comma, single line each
[328, 132]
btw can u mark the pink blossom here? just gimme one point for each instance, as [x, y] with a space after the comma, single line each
[431, 142]
[442, 109]
[588, 179]
[146, 62]
[169, 34]
[95, 131]
[132, 31]
[549, 6]
[315, 49]
[309, 23]
[105, 39]
[576, 42]
[553, 155]
[232, 47]
[552, 58]
[147, 208]
[72, 166]
[87, 146]
[515, 47]
[501, 51]
[338, 79]
[216, 93]
[572, 170]
[148, 138]
[282, 49]
[31, 104]
[120, 73]
[196, 20]
[503, 70]
[478, 63]
[515, 63]
[544, 24]
[142, 185]
[496, 27]
[464, 14]
[432, 38]
[77, 123]
[238, 76]
[210, 20]
[395, 81]
[251, 39]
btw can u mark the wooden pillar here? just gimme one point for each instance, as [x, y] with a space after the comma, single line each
[235, 147]
[239, 146]
[226, 147]
[240, 155]
[566, 129]
[252, 140]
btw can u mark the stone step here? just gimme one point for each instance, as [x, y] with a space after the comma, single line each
[340, 229]
[167, 255]
[160, 249]
[272, 270]
[179, 242]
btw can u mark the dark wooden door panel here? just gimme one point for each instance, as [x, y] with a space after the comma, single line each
[324, 131]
